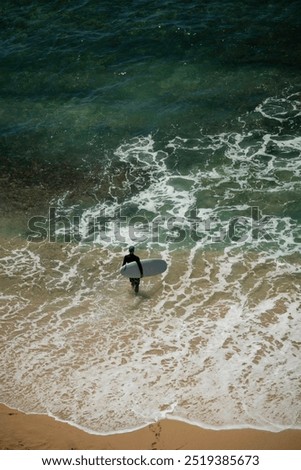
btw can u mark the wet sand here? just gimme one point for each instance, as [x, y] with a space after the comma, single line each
[32, 432]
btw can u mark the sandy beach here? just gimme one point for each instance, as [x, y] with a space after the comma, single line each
[33, 432]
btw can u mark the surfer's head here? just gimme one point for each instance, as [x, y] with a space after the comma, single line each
[131, 249]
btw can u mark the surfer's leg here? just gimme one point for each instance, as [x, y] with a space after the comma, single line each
[137, 282]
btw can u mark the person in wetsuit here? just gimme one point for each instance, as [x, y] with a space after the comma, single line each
[135, 281]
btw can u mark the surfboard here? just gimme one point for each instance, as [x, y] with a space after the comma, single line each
[151, 267]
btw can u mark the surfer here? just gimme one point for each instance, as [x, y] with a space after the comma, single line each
[135, 281]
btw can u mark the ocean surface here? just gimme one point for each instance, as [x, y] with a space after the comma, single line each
[174, 126]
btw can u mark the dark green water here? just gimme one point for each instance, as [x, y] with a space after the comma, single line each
[78, 79]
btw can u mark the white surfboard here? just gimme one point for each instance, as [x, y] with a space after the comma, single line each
[151, 267]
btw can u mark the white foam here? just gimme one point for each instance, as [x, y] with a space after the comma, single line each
[280, 109]
[194, 352]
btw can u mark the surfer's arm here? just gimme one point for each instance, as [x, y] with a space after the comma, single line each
[140, 267]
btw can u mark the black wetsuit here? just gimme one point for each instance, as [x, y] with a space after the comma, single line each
[135, 281]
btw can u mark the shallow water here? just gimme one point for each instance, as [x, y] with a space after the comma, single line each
[175, 128]
[215, 341]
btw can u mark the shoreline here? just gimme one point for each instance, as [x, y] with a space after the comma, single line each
[20, 431]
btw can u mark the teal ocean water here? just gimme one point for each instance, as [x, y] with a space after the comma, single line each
[176, 127]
